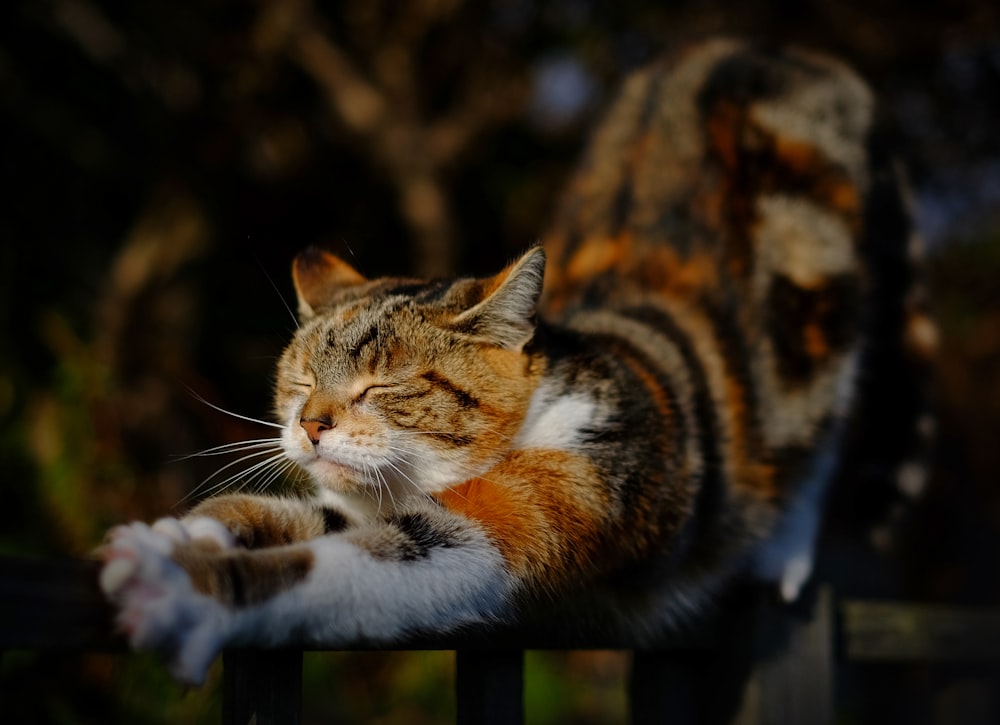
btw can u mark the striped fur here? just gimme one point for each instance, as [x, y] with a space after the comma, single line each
[670, 416]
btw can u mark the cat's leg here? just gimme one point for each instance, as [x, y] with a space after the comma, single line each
[788, 555]
[429, 570]
[255, 522]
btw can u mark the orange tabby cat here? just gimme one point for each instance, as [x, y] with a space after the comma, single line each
[668, 415]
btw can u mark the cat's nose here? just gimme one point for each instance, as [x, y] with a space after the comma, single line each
[314, 426]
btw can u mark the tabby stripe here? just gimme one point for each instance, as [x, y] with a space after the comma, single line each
[242, 577]
[668, 358]
[421, 536]
[465, 399]
[662, 389]
[455, 439]
[398, 416]
[708, 431]
[735, 354]
[333, 521]
[366, 339]
[624, 197]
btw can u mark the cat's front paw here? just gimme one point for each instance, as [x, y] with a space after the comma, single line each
[196, 529]
[158, 608]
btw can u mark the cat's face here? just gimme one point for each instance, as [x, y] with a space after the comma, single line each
[396, 386]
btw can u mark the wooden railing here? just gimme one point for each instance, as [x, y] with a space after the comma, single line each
[757, 662]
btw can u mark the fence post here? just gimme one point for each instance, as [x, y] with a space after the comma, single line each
[793, 680]
[489, 687]
[261, 687]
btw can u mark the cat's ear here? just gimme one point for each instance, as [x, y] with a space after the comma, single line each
[503, 310]
[318, 277]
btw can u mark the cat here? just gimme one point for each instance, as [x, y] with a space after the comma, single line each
[604, 451]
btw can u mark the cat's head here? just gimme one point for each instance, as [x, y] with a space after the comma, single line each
[405, 385]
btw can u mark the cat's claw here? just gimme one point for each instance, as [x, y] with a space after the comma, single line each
[158, 608]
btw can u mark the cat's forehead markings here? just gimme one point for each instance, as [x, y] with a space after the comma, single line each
[345, 313]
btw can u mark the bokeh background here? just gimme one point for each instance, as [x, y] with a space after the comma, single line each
[162, 162]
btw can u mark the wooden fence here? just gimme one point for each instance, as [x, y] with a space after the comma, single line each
[758, 662]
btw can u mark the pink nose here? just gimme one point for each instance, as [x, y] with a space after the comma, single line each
[314, 426]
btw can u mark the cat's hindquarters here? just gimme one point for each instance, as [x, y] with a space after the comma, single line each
[730, 185]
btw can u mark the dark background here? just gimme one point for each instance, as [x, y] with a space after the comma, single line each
[161, 163]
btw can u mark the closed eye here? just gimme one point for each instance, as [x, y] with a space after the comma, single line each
[364, 393]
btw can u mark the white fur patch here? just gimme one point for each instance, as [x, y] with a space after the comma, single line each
[350, 594]
[830, 113]
[555, 421]
[182, 531]
[351, 506]
[801, 240]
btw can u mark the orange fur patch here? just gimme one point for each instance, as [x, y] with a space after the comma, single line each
[834, 187]
[595, 256]
[680, 277]
[542, 508]
[816, 345]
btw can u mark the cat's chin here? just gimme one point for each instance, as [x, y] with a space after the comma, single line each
[335, 476]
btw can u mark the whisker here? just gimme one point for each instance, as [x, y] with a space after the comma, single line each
[236, 447]
[252, 473]
[200, 488]
[470, 471]
[262, 474]
[247, 418]
[295, 320]
[377, 485]
[388, 488]
[279, 470]
[416, 487]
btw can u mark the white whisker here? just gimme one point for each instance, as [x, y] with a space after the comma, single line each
[249, 475]
[237, 447]
[388, 488]
[279, 470]
[234, 415]
[222, 485]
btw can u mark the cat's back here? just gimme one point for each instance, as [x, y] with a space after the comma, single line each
[725, 162]
[718, 170]
[732, 224]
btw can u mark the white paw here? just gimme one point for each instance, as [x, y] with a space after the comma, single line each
[158, 609]
[186, 530]
[794, 576]
[785, 561]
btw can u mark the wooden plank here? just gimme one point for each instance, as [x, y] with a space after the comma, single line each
[489, 687]
[793, 681]
[261, 687]
[898, 631]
